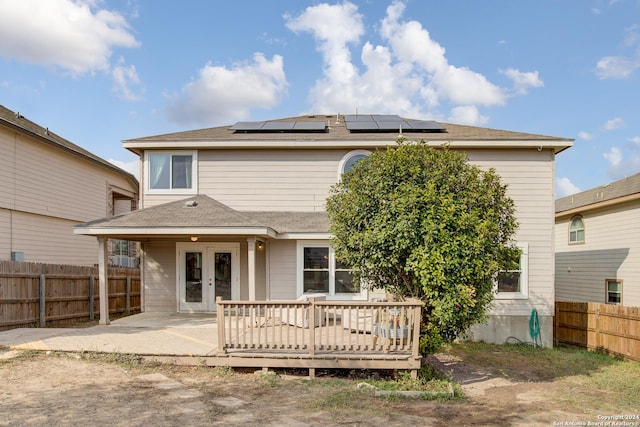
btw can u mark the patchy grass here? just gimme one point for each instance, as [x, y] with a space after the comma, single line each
[581, 379]
[522, 362]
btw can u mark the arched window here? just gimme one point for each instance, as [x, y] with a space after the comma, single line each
[350, 159]
[576, 230]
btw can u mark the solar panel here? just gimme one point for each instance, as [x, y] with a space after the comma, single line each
[280, 126]
[424, 125]
[386, 117]
[392, 125]
[283, 126]
[370, 125]
[247, 126]
[358, 118]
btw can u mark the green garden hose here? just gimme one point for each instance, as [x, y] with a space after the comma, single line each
[534, 328]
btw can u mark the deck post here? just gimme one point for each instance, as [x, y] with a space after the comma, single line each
[415, 351]
[221, 321]
[312, 326]
[251, 267]
[103, 280]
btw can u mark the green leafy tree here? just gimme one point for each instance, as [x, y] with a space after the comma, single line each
[424, 223]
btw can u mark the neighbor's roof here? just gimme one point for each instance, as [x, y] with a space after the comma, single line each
[202, 215]
[18, 122]
[337, 135]
[615, 192]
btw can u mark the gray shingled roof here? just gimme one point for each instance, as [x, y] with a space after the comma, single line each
[338, 131]
[204, 212]
[17, 121]
[614, 190]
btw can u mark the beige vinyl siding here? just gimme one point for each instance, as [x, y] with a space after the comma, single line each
[50, 240]
[7, 168]
[529, 176]
[5, 234]
[121, 206]
[611, 251]
[48, 191]
[159, 266]
[282, 269]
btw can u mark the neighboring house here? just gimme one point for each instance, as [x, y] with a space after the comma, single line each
[239, 211]
[598, 244]
[48, 185]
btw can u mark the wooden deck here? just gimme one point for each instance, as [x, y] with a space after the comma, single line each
[318, 334]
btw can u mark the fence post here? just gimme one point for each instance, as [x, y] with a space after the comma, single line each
[92, 311]
[42, 301]
[127, 306]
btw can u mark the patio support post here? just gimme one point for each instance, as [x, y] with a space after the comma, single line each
[251, 267]
[103, 281]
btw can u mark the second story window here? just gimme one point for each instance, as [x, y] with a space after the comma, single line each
[174, 172]
[576, 230]
[350, 159]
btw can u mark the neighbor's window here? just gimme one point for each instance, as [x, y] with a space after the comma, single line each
[171, 171]
[614, 291]
[513, 284]
[576, 230]
[322, 273]
[350, 159]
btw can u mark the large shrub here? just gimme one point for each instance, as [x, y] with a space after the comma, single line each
[424, 223]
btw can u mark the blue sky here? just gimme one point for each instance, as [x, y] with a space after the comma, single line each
[99, 72]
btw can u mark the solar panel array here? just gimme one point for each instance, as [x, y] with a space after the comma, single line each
[354, 123]
[280, 126]
[389, 123]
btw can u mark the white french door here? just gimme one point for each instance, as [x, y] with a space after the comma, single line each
[206, 271]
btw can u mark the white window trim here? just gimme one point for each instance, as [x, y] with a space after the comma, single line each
[606, 290]
[584, 234]
[331, 295]
[194, 172]
[347, 157]
[524, 278]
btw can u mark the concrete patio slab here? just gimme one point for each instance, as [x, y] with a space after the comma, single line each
[169, 334]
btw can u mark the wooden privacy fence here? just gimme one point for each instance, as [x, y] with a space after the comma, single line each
[610, 328]
[321, 334]
[42, 295]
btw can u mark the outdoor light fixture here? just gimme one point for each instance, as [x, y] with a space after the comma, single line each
[260, 244]
[194, 238]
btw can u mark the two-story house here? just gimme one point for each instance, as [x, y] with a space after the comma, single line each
[239, 211]
[598, 244]
[48, 185]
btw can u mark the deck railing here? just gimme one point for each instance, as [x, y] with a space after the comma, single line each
[317, 327]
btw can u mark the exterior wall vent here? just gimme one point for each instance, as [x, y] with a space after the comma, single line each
[17, 256]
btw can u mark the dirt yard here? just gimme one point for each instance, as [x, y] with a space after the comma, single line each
[79, 390]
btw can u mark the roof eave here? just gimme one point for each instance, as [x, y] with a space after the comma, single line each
[137, 147]
[597, 205]
[174, 231]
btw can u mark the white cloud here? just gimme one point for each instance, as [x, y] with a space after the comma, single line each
[523, 81]
[126, 82]
[614, 157]
[467, 115]
[221, 95]
[635, 139]
[564, 187]
[613, 123]
[69, 35]
[623, 161]
[408, 75]
[615, 67]
[133, 166]
[586, 135]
